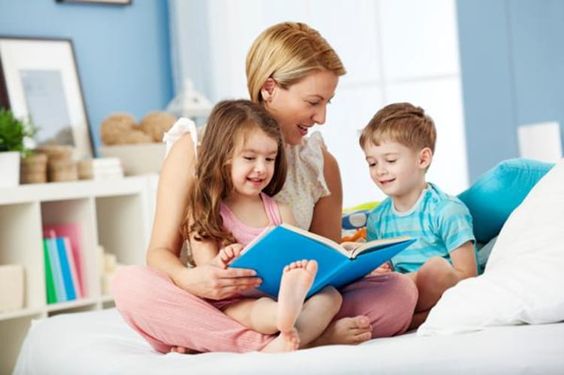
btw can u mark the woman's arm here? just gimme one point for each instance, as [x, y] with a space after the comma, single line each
[327, 211]
[205, 281]
[177, 173]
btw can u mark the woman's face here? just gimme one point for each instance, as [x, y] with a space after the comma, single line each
[301, 105]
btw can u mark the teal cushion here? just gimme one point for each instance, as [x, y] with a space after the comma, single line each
[496, 193]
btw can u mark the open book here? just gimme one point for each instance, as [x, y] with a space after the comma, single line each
[338, 266]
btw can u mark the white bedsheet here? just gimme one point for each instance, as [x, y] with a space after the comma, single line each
[100, 342]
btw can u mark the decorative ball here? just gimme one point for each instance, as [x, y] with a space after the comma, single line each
[135, 135]
[115, 127]
[156, 124]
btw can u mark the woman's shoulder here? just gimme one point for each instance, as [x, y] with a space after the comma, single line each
[180, 131]
[307, 160]
[311, 152]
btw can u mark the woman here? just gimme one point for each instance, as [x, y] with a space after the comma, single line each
[293, 72]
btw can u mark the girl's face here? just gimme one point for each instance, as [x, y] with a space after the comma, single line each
[397, 170]
[300, 106]
[252, 165]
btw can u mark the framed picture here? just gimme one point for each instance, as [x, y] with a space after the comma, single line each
[115, 2]
[39, 81]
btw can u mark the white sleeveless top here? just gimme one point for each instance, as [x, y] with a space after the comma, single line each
[305, 181]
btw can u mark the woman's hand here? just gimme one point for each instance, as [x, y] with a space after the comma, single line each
[212, 282]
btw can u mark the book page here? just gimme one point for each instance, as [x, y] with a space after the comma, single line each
[376, 244]
[318, 238]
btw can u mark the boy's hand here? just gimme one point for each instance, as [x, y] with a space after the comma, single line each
[384, 268]
[226, 255]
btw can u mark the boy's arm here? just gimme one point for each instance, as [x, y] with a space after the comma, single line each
[464, 261]
[455, 223]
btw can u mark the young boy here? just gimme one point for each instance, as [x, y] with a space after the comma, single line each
[399, 143]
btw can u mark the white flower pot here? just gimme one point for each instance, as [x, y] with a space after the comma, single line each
[9, 169]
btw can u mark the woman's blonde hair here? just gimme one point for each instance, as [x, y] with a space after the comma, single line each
[229, 123]
[287, 52]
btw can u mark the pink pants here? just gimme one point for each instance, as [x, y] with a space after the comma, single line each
[167, 316]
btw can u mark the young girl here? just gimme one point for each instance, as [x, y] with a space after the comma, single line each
[241, 165]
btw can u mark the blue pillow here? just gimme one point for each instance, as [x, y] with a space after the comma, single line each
[496, 193]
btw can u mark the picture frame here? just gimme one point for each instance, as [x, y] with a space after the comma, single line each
[39, 81]
[110, 2]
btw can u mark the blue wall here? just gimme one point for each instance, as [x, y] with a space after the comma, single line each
[512, 73]
[123, 52]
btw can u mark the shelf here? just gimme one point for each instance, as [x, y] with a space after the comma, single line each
[71, 304]
[114, 215]
[21, 313]
[54, 191]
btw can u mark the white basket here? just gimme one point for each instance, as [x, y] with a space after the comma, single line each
[136, 159]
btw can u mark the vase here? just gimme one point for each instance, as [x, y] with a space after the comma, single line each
[9, 169]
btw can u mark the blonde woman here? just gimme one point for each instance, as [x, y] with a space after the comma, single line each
[293, 72]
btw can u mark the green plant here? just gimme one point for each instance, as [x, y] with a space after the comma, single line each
[13, 132]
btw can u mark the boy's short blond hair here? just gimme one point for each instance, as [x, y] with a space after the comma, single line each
[402, 123]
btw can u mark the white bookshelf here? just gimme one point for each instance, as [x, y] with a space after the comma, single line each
[115, 214]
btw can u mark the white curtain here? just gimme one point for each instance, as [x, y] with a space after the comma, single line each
[393, 50]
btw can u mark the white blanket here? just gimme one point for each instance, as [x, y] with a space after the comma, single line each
[100, 342]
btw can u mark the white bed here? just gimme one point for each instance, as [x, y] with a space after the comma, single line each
[100, 342]
[522, 283]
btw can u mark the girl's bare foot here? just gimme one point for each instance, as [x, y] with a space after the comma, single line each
[285, 342]
[296, 282]
[347, 331]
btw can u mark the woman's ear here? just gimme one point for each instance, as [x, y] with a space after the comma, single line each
[267, 89]
[425, 157]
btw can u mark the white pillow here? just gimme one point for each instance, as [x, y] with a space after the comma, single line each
[524, 276]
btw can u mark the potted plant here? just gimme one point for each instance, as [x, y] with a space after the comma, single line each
[13, 133]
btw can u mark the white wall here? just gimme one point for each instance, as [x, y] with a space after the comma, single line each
[393, 50]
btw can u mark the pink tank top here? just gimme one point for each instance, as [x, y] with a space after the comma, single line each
[243, 232]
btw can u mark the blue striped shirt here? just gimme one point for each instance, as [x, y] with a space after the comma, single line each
[440, 223]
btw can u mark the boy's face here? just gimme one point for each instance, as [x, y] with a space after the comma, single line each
[396, 169]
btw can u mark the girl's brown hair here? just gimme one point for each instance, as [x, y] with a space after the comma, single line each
[228, 124]
[287, 52]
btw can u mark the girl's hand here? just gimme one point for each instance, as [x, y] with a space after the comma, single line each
[226, 255]
[212, 282]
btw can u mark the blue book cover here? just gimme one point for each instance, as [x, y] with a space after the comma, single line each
[65, 268]
[279, 246]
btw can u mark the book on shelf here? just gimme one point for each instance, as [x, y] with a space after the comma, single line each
[338, 265]
[72, 267]
[66, 269]
[60, 270]
[49, 281]
[72, 232]
[57, 272]
[106, 168]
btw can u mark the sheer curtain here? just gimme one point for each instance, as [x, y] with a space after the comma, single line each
[393, 50]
